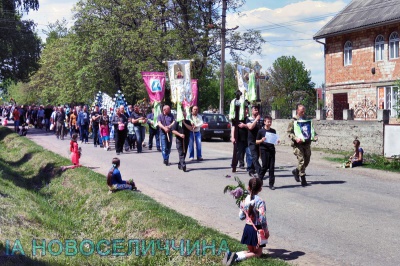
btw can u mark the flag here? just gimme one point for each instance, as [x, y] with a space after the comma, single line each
[191, 98]
[180, 80]
[155, 85]
[243, 76]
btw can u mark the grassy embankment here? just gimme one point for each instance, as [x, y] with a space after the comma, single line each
[40, 203]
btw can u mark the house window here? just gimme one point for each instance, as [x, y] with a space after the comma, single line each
[389, 99]
[347, 53]
[394, 45]
[379, 48]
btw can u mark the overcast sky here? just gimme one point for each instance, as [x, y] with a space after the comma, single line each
[286, 26]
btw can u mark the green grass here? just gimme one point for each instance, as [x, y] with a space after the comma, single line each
[38, 201]
[372, 161]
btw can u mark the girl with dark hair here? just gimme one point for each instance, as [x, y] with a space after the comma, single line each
[357, 158]
[75, 153]
[114, 179]
[253, 210]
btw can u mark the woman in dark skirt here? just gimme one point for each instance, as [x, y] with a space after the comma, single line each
[253, 210]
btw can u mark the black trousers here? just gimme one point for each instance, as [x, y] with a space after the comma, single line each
[95, 131]
[241, 151]
[120, 136]
[268, 163]
[255, 153]
[182, 150]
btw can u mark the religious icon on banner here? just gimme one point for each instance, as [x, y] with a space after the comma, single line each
[155, 85]
[180, 81]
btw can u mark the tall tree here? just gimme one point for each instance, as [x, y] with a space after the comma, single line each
[19, 44]
[290, 84]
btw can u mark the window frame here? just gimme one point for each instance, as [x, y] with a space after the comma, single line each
[394, 39]
[348, 54]
[379, 48]
[390, 95]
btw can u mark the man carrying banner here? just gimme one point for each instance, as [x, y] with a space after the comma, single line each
[301, 132]
[165, 121]
[182, 132]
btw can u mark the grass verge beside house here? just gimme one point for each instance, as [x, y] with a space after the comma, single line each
[43, 209]
[372, 161]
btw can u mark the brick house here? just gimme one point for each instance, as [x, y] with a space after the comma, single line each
[362, 62]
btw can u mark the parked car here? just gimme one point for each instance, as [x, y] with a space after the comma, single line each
[215, 126]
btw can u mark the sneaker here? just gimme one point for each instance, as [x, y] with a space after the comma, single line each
[232, 258]
[226, 257]
[271, 187]
[95, 145]
[108, 149]
[118, 153]
[200, 159]
[295, 173]
[179, 167]
[191, 159]
[242, 166]
[105, 148]
[158, 149]
[184, 168]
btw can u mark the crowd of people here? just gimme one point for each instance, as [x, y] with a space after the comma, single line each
[255, 139]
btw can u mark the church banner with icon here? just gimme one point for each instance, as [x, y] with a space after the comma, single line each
[243, 74]
[180, 80]
[155, 86]
[194, 95]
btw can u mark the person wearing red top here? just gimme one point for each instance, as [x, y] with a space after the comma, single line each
[75, 153]
[16, 115]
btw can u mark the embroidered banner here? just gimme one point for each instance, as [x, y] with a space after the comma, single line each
[180, 80]
[155, 85]
[304, 129]
[191, 99]
[243, 75]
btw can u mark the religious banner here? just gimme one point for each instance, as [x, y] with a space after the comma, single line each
[180, 80]
[243, 76]
[304, 130]
[193, 96]
[155, 86]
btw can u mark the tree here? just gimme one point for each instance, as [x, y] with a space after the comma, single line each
[19, 44]
[111, 42]
[290, 84]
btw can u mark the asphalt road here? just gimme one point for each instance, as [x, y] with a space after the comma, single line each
[345, 216]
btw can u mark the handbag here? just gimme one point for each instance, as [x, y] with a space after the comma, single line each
[261, 239]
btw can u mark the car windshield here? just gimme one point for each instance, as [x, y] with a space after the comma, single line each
[214, 118]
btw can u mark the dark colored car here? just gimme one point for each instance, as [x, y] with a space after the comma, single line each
[215, 126]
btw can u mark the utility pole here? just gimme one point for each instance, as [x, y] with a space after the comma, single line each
[222, 80]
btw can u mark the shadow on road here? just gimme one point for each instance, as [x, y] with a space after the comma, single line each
[310, 183]
[284, 254]
[207, 168]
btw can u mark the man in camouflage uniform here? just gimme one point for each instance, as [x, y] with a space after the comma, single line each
[301, 146]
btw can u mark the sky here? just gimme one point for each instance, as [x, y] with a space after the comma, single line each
[287, 27]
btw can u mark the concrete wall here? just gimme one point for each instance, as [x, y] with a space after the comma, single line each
[339, 135]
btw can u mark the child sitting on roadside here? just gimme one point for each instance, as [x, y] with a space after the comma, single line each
[357, 158]
[114, 179]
